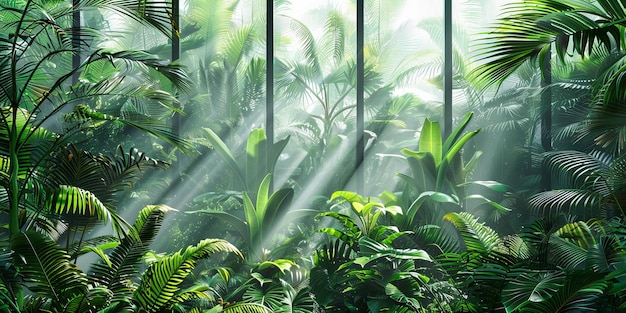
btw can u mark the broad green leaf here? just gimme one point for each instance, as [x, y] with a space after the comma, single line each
[256, 156]
[251, 218]
[491, 184]
[278, 206]
[348, 196]
[456, 132]
[262, 196]
[222, 150]
[484, 200]
[430, 140]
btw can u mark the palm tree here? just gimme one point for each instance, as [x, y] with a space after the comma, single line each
[37, 94]
[531, 30]
[48, 102]
[114, 283]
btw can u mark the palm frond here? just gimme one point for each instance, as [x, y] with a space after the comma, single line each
[79, 206]
[565, 254]
[579, 293]
[573, 169]
[161, 280]
[531, 287]
[529, 28]
[155, 13]
[245, 308]
[238, 45]
[94, 298]
[335, 34]
[139, 121]
[567, 201]
[47, 268]
[123, 268]
[606, 255]
[538, 234]
[476, 236]
[606, 124]
[308, 45]
[96, 245]
[130, 60]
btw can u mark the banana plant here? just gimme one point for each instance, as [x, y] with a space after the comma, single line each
[439, 175]
[260, 220]
[260, 158]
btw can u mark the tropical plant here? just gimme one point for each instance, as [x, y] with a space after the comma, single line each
[362, 262]
[438, 183]
[259, 160]
[583, 185]
[530, 30]
[114, 284]
[221, 51]
[554, 264]
[318, 83]
[260, 220]
[38, 43]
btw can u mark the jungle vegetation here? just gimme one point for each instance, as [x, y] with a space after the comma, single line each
[136, 179]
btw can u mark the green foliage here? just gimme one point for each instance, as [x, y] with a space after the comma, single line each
[583, 35]
[36, 72]
[47, 269]
[160, 282]
[362, 263]
[582, 185]
[260, 218]
[259, 160]
[554, 265]
[440, 176]
[60, 286]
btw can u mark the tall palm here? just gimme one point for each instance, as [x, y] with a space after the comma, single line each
[316, 90]
[37, 94]
[532, 29]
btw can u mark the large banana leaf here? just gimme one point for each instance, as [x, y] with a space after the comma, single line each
[430, 140]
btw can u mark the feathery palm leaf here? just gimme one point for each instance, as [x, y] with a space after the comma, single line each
[530, 27]
[476, 236]
[122, 269]
[47, 268]
[78, 206]
[161, 280]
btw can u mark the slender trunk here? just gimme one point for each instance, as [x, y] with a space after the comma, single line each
[13, 192]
